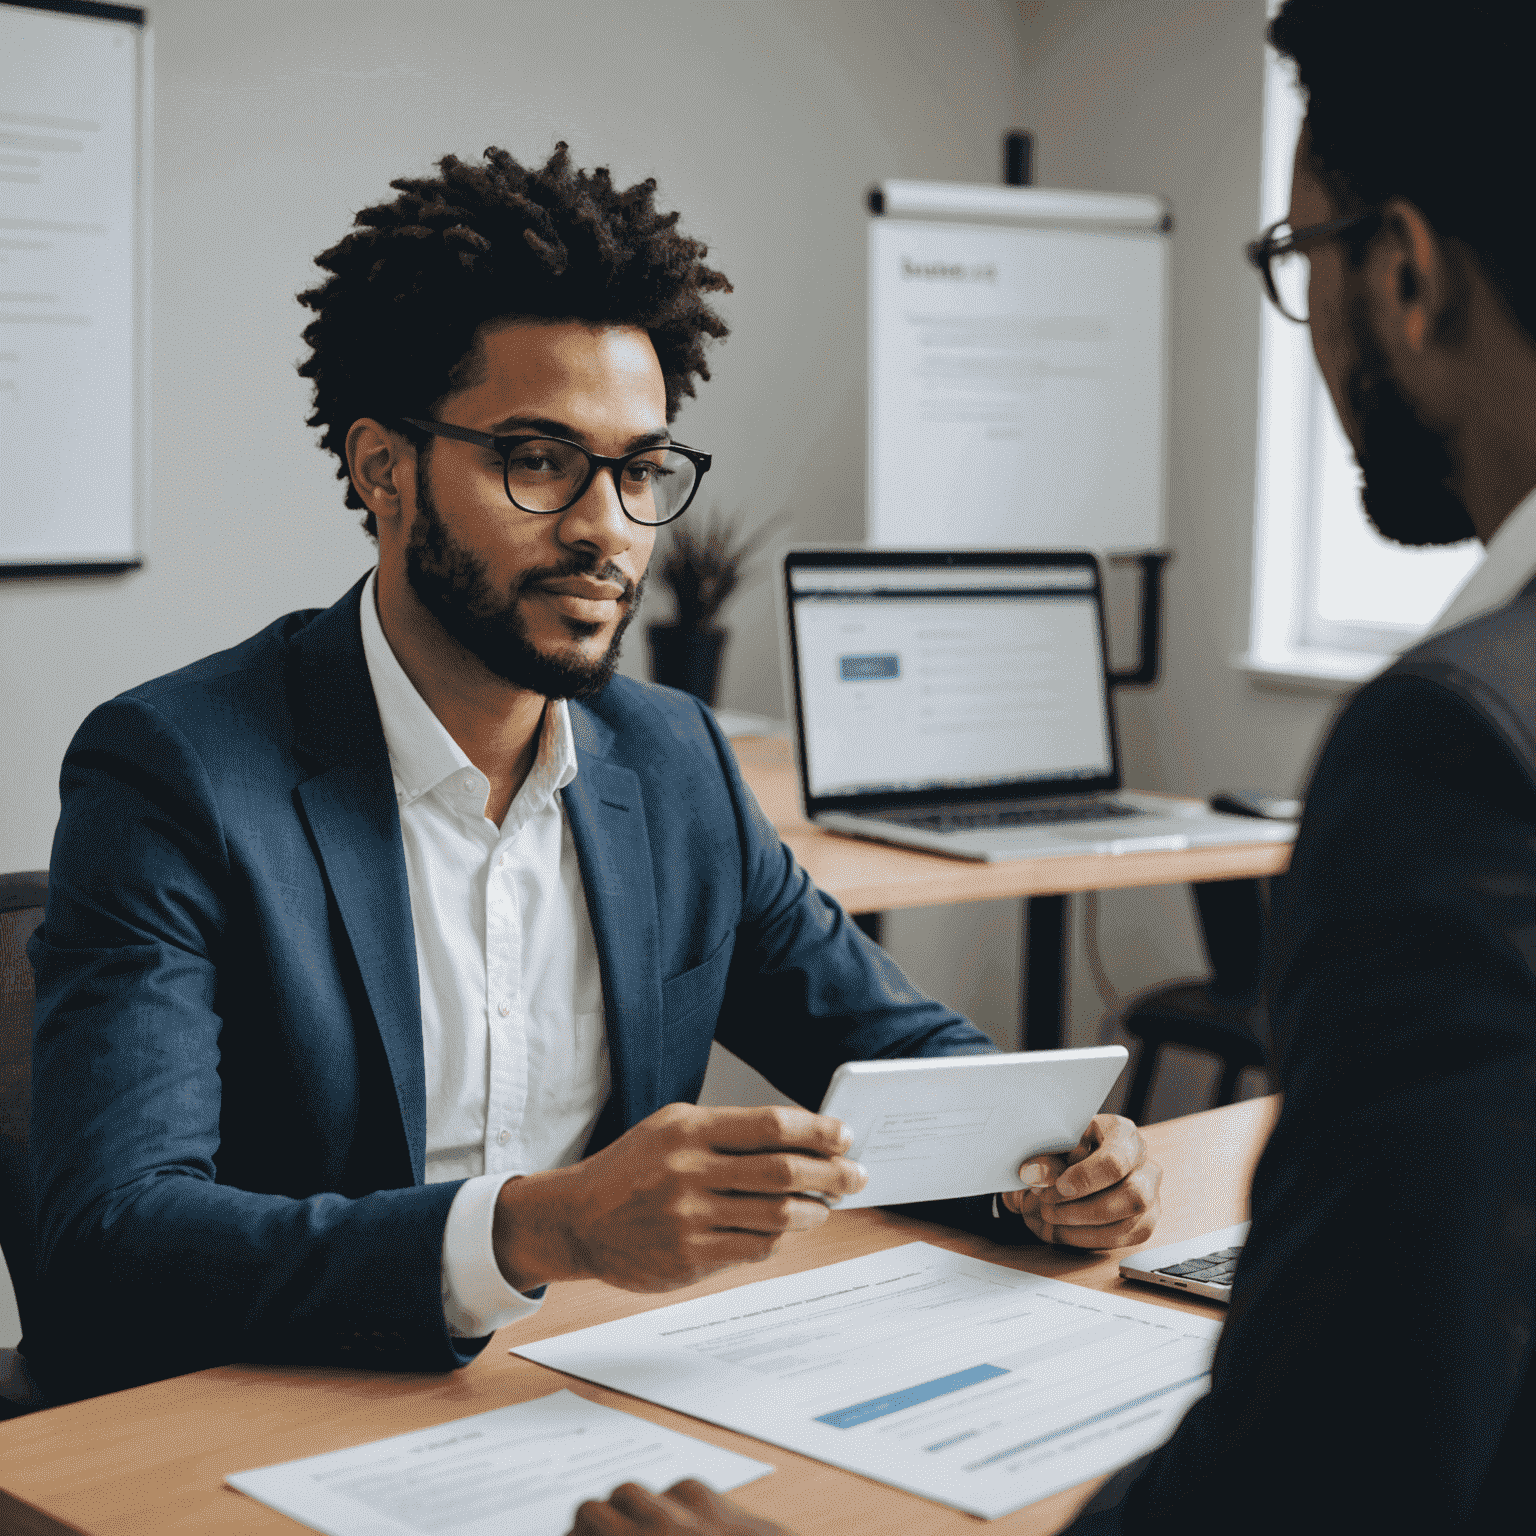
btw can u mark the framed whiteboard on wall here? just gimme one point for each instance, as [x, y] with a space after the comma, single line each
[1017, 368]
[74, 443]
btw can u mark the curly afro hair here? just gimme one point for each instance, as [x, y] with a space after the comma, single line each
[1431, 102]
[395, 322]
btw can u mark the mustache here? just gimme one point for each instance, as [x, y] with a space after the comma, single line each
[577, 566]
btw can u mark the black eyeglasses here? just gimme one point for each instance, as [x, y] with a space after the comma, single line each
[550, 474]
[1285, 281]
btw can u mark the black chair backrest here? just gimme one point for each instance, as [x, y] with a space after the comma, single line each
[21, 910]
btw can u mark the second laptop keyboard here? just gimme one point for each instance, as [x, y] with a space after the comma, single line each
[1210, 1269]
[1012, 813]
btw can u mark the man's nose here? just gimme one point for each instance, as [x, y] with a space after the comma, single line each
[597, 518]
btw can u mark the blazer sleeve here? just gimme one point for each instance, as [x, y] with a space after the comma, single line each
[148, 1266]
[1374, 1371]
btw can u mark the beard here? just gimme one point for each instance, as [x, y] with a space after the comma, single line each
[455, 589]
[1405, 467]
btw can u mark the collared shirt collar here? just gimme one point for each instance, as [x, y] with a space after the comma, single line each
[1508, 564]
[423, 754]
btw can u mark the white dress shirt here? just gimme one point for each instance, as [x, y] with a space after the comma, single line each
[1508, 563]
[511, 998]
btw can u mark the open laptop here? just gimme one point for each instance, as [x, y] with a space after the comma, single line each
[1203, 1266]
[958, 701]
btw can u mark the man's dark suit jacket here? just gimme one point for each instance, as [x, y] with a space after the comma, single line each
[1375, 1370]
[229, 1117]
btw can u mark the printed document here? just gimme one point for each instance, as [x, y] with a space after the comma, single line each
[523, 1468]
[963, 1381]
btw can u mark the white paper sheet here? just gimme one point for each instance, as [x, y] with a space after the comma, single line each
[523, 1468]
[963, 1381]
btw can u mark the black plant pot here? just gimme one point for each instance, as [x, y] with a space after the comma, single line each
[687, 658]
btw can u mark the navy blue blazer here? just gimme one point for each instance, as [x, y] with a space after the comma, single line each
[229, 1120]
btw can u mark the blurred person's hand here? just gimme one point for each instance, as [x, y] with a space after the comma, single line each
[686, 1509]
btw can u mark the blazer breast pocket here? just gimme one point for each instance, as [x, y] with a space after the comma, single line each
[695, 995]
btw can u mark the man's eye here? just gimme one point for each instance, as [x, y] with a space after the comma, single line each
[644, 472]
[532, 464]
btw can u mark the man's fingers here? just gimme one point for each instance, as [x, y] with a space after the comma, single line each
[1041, 1172]
[774, 1127]
[785, 1173]
[1117, 1218]
[1120, 1234]
[1129, 1198]
[628, 1511]
[717, 1516]
[1114, 1151]
[770, 1215]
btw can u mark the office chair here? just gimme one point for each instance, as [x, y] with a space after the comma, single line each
[21, 910]
[1223, 1015]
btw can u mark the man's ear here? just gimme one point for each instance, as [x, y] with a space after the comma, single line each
[382, 465]
[1419, 290]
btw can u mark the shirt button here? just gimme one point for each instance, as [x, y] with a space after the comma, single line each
[469, 783]
[503, 1136]
[503, 1007]
[501, 861]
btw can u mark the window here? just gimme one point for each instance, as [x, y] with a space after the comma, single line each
[1332, 599]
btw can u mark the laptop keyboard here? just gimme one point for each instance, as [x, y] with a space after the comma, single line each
[1022, 813]
[1212, 1269]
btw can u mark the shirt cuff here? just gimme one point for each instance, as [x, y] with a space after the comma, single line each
[476, 1298]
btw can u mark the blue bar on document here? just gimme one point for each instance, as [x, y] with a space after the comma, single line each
[868, 669]
[894, 1402]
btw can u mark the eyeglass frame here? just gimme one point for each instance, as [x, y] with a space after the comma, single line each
[504, 445]
[1263, 252]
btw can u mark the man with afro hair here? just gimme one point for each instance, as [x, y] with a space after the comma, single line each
[384, 952]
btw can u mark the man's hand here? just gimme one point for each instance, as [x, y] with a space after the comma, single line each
[1102, 1194]
[686, 1192]
[686, 1509]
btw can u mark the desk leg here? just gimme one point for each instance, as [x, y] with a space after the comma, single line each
[1044, 986]
[869, 922]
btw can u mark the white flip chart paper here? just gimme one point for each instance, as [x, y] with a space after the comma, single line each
[1017, 361]
[523, 1468]
[963, 1381]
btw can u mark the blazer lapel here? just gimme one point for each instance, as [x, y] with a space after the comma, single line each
[608, 827]
[349, 807]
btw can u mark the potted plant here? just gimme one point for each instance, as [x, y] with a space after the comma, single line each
[705, 565]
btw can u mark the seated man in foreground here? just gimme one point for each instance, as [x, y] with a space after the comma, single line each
[377, 979]
[1375, 1370]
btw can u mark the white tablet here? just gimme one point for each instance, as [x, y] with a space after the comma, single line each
[938, 1127]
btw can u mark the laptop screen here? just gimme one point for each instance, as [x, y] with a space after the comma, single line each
[951, 676]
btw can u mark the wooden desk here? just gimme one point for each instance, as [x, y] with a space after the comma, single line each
[153, 1460]
[876, 877]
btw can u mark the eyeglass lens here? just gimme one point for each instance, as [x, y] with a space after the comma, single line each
[546, 475]
[1291, 274]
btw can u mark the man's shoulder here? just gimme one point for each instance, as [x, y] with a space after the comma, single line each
[246, 688]
[1488, 664]
[1456, 695]
[252, 660]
